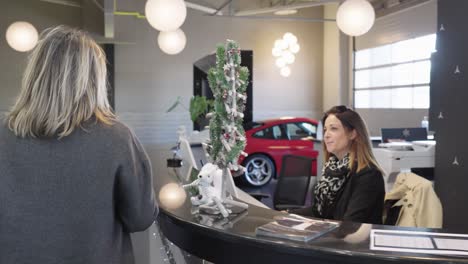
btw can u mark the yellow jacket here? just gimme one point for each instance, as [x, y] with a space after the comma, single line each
[420, 205]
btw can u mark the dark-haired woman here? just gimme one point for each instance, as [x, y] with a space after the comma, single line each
[351, 187]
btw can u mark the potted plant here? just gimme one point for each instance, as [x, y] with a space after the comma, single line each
[199, 107]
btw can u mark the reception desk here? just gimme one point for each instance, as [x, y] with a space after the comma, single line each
[221, 240]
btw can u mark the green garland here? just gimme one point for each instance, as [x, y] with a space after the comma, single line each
[228, 82]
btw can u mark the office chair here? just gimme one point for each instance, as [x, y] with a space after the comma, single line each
[293, 182]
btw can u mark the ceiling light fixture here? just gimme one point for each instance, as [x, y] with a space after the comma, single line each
[284, 49]
[172, 42]
[22, 36]
[286, 12]
[165, 15]
[355, 17]
[285, 71]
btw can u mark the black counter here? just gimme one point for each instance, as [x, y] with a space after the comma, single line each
[234, 241]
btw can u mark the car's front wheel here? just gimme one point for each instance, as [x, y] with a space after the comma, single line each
[259, 169]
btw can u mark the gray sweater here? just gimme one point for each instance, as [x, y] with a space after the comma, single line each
[73, 200]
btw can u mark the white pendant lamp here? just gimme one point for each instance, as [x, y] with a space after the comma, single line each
[294, 48]
[288, 57]
[22, 36]
[280, 62]
[355, 17]
[285, 71]
[172, 42]
[289, 38]
[284, 50]
[165, 15]
[276, 51]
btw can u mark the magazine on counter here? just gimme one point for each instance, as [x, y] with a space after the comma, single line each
[295, 227]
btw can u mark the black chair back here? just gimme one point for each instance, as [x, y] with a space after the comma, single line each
[293, 182]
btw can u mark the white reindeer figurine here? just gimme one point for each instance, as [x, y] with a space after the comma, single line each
[209, 196]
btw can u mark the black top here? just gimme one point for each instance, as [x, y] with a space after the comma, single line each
[361, 199]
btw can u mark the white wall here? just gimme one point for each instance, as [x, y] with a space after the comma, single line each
[391, 118]
[335, 62]
[331, 58]
[42, 15]
[148, 81]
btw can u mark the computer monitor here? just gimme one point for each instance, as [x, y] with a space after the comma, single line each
[403, 134]
[188, 159]
[198, 155]
[193, 158]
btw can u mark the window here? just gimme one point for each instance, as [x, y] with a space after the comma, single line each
[269, 133]
[310, 128]
[395, 75]
[301, 130]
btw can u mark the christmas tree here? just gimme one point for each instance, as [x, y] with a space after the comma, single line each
[228, 82]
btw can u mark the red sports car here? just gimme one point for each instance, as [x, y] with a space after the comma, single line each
[268, 141]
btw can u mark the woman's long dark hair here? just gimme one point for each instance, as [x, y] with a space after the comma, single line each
[361, 151]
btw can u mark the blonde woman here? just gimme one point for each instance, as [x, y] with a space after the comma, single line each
[74, 181]
[352, 187]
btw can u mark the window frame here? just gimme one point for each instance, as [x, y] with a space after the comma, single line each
[391, 89]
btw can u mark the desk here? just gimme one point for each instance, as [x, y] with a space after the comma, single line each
[220, 241]
[393, 161]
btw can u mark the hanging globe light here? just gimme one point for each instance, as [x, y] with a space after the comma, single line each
[284, 50]
[283, 44]
[172, 42]
[355, 17]
[22, 36]
[280, 62]
[276, 51]
[289, 38]
[288, 57]
[285, 71]
[165, 15]
[294, 48]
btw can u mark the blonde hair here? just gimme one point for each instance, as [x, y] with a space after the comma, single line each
[360, 155]
[64, 84]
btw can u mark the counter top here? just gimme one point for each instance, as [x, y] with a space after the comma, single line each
[233, 240]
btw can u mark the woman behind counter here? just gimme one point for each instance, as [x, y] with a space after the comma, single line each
[74, 181]
[352, 186]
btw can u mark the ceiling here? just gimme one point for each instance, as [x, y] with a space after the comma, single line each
[231, 7]
[103, 10]
[243, 7]
[257, 7]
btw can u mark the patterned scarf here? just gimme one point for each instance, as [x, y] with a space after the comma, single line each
[334, 175]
